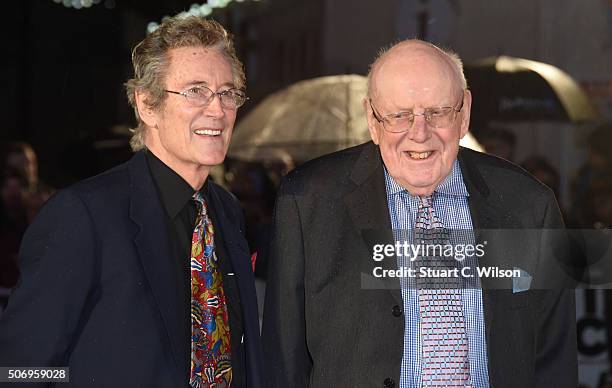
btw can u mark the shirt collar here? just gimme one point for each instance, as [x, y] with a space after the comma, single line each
[174, 191]
[451, 185]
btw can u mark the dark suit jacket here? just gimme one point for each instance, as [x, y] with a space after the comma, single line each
[322, 328]
[98, 290]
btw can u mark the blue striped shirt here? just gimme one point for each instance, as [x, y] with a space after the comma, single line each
[450, 202]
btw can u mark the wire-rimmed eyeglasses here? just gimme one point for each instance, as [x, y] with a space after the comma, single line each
[201, 96]
[436, 117]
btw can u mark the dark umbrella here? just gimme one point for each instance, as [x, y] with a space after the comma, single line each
[516, 89]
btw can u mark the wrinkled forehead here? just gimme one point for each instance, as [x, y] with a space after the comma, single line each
[199, 65]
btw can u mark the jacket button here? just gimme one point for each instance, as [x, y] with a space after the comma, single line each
[389, 382]
[396, 311]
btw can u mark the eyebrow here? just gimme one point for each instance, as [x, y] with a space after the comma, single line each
[411, 110]
[197, 83]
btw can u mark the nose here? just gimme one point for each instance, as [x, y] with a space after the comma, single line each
[214, 108]
[419, 132]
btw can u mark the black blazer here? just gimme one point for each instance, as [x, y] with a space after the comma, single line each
[323, 328]
[98, 290]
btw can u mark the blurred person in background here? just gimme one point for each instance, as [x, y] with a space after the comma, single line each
[540, 168]
[590, 217]
[592, 177]
[13, 223]
[254, 185]
[499, 142]
[22, 197]
[141, 276]
[21, 156]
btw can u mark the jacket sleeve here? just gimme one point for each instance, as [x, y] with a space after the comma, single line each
[286, 356]
[47, 307]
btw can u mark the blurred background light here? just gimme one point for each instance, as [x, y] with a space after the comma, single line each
[195, 9]
[80, 4]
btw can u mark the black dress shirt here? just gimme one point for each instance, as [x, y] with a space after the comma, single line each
[177, 198]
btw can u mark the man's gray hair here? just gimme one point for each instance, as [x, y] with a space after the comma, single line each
[150, 61]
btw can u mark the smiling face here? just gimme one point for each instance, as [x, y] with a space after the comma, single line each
[412, 77]
[189, 139]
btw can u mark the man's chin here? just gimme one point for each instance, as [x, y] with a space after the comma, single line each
[211, 160]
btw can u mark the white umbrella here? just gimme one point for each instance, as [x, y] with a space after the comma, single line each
[305, 120]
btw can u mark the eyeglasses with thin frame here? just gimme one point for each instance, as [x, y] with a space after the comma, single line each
[199, 96]
[436, 117]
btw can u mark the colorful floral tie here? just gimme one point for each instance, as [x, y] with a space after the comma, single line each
[210, 338]
[445, 348]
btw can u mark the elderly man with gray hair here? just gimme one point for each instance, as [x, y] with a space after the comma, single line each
[339, 315]
[141, 276]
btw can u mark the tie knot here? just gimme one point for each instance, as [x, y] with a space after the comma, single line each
[199, 198]
[200, 202]
[426, 200]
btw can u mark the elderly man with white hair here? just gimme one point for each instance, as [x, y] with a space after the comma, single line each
[432, 321]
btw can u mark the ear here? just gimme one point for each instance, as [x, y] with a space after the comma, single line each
[465, 112]
[372, 122]
[147, 114]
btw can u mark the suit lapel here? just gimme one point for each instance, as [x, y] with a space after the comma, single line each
[368, 209]
[154, 252]
[482, 219]
[236, 247]
[489, 225]
[238, 251]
